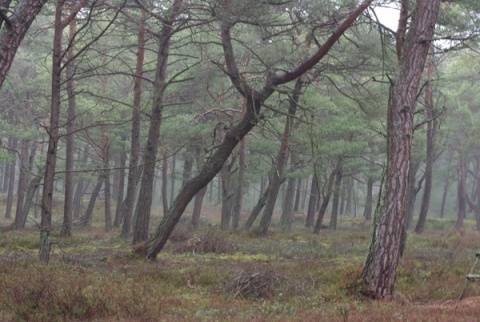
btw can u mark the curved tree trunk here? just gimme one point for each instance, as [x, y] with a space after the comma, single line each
[255, 100]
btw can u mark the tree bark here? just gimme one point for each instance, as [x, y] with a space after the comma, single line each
[13, 32]
[120, 209]
[288, 204]
[380, 269]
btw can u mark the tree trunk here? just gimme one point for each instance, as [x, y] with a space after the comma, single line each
[444, 195]
[380, 269]
[298, 195]
[326, 199]
[227, 195]
[31, 190]
[367, 212]
[172, 178]
[256, 210]
[120, 209]
[53, 135]
[87, 217]
[312, 202]
[197, 207]
[238, 198]
[288, 205]
[144, 204]
[22, 185]
[12, 33]
[11, 176]
[135, 136]
[234, 134]
[412, 191]
[277, 178]
[164, 183]
[431, 131]
[69, 149]
[462, 182]
[336, 195]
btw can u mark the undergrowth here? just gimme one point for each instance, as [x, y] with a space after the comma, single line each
[213, 275]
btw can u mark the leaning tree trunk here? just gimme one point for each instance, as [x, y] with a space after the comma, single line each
[255, 100]
[380, 269]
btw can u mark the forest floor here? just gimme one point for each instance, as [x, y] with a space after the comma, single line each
[210, 275]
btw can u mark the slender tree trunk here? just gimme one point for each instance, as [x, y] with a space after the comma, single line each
[431, 131]
[462, 182]
[120, 209]
[22, 185]
[31, 190]
[336, 193]
[256, 210]
[69, 149]
[380, 269]
[312, 202]
[197, 207]
[172, 179]
[326, 199]
[288, 204]
[164, 183]
[444, 195]
[413, 188]
[133, 173]
[277, 178]
[87, 217]
[53, 134]
[367, 212]
[11, 177]
[298, 195]
[144, 204]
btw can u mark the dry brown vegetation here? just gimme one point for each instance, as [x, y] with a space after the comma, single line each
[207, 275]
